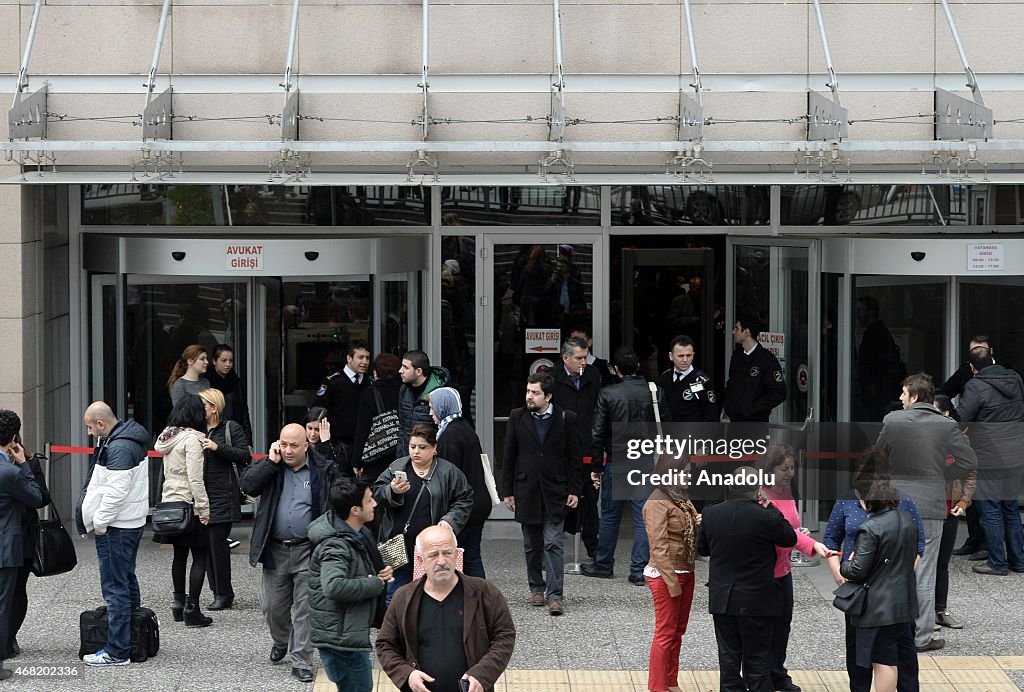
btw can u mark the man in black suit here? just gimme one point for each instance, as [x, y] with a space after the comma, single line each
[340, 394]
[542, 472]
[740, 536]
[18, 489]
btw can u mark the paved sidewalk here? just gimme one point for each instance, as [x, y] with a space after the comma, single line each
[601, 644]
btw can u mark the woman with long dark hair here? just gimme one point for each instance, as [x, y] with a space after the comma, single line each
[188, 376]
[227, 453]
[184, 465]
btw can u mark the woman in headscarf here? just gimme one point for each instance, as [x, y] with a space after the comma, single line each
[458, 443]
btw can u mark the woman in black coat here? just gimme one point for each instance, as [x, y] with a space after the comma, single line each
[379, 397]
[227, 453]
[458, 443]
[884, 557]
[30, 533]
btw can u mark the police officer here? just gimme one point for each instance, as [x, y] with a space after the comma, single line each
[756, 382]
[690, 393]
[340, 393]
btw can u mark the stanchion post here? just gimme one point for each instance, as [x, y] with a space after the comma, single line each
[574, 566]
[46, 478]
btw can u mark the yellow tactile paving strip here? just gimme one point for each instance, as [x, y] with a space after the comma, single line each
[938, 674]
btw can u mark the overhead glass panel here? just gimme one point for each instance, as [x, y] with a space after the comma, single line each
[521, 206]
[690, 205]
[254, 205]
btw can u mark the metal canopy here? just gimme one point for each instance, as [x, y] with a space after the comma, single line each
[955, 116]
[27, 118]
[826, 118]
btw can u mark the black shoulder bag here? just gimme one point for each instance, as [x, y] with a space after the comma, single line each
[852, 598]
[55, 552]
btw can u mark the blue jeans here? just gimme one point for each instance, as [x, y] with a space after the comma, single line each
[349, 670]
[615, 486]
[117, 550]
[403, 576]
[472, 560]
[996, 500]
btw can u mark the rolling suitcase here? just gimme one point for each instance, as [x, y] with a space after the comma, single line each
[145, 633]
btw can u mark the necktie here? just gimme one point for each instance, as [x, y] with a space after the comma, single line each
[355, 379]
[679, 377]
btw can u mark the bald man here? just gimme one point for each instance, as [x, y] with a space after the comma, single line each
[445, 627]
[113, 505]
[293, 484]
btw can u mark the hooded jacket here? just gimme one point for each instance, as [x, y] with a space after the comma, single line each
[413, 410]
[993, 400]
[116, 489]
[184, 468]
[345, 594]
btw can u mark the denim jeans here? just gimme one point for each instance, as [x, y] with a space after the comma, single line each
[615, 486]
[403, 576]
[996, 500]
[117, 550]
[349, 670]
[472, 560]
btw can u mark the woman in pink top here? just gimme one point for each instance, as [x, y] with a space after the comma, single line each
[780, 462]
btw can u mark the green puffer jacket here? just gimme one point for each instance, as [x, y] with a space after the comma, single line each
[344, 590]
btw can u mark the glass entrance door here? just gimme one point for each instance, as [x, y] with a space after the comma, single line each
[541, 289]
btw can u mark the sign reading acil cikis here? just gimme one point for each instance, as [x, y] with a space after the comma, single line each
[241, 257]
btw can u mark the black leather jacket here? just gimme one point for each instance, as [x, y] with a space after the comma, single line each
[884, 555]
[627, 402]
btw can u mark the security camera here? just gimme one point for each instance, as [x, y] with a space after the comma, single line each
[178, 255]
[917, 256]
[312, 255]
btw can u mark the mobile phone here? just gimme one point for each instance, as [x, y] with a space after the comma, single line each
[402, 476]
[463, 685]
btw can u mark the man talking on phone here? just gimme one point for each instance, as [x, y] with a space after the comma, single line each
[293, 483]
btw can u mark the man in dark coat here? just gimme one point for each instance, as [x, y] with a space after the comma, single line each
[756, 383]
[542, 470]
[293, 484]
[994, 398]
[577, 385]
[740, 537]
[30, 534]
[340, 394]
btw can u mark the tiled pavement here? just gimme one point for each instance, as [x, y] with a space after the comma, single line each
[601, 644]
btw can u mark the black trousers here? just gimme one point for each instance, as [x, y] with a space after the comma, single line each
[8, 583]
[780, 633]
[589, 521]
[219, 564]
[946, 545]
[19, 607]
[744, 653]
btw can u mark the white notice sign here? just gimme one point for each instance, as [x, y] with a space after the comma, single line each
[775, 342]
[243, 258]
[985, 257]
[543, 340]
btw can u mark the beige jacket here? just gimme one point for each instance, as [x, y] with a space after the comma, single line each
[184, 465]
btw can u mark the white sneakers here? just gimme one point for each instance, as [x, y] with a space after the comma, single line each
[102, 658]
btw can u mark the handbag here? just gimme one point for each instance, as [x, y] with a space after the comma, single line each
[243, 498]
[393, 549]
[174, 518]
[852, 598]
[54, 552]
[384, 434]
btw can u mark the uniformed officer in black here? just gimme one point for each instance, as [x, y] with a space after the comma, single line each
[756, 382]
[690, 393]
[340, 393]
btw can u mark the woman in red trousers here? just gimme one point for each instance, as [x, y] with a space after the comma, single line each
[671, 523]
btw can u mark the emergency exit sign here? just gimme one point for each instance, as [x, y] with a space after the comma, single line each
[244, 258]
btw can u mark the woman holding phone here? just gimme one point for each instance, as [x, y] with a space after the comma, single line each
[418, 491]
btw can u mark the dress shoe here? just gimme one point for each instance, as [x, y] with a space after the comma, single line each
[966, 549]
[222, 602]
[277, 653]
[933, 645]
[985, 568]
[178, 607]
[946, 619]
[592, 570]
[302, 674]
[637, 580]
[15, 648]
[555, 607]
[788, 686]
[6, 673]
[978, 556]
[537, 598]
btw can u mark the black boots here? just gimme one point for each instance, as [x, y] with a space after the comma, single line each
[222, 602]
[193, 616]
[178, 607]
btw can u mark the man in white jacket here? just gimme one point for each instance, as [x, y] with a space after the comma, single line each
[113, 505]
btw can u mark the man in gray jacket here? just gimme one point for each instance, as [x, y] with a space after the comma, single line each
[994, 399]
[918, 440]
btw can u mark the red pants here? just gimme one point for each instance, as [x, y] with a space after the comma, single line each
[670, 618]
